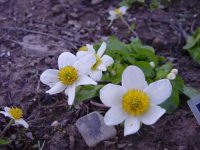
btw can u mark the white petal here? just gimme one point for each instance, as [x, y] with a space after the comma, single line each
[107, 60]
[152, 115]
[102, 49]
[111, 95]
[84, 64]
[49, 77]
[102, 67]
[123, 9]
[57, 88]
[85, 80]
[70, 92]
[66, 59]
[6, 109]
[131, 125]
[96, 75]
[133, 78]
[6, 114]
[115, 115]
[159, 91]
[81, 54]
[22, 122]
[90, 49]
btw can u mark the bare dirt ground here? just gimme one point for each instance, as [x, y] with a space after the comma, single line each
[65, 25]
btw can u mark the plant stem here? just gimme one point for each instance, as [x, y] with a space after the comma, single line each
[129, 27]
[7, 127]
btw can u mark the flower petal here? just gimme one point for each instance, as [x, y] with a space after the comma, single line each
[66, 59]
[131, 125]
[159, 91]
[70, 92]
[49, 77]
[111, 94]
[96, 75]
[90, 48]
[107, 60]
[81, 54]
[6, 114]
[123, 9]
[6, 109]
[102, 49]
[22, 122]
[57, 88]
[84, 64]
[102, 67]
[133, 78]
[152, 115]
[115, 115]
[85, 80]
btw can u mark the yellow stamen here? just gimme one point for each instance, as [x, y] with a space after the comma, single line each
[83, 48]
[118, 12]
[16, 113]
[135, 102]
[68, 75]
[98, 62]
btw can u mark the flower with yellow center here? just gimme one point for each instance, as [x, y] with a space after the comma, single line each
[114, 14]
[16, 114]
[135, 101]
[72, 73]
[102, 61]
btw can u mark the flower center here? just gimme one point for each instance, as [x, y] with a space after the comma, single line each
[135, 102]
[16, 113]
[118, 12]
[98, 62]
[68, 75]
[83, 48]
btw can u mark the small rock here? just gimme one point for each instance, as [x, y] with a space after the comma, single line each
[93, 129]
[29, 135]
[57, 9]
[55, 123]
[94, 2]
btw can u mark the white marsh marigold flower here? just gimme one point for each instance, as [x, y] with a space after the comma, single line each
[135, 101]
[102, 61]
[72, 72]
[114, 14]
[16, 114]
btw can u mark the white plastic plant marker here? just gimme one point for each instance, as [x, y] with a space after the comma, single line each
[194, 105]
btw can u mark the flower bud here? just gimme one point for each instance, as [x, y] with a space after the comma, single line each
[175, 71]
[171, 76]
[152, 64]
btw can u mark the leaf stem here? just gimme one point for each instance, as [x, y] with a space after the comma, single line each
[7, 127]
[129, 27]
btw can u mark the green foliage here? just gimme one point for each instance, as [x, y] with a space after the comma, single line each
[135, 53]
[129, 3]
[190, 91]
[4, 142]
[193, 45]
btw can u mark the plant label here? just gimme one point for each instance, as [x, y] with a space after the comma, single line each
[194, 105]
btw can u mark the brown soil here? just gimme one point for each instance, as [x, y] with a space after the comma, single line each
[66, 25]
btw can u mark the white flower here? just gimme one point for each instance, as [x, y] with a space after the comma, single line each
[135, 101]
[102, 61]
[16, 114]
[175, 71]
[72, 72]
[114, 14]
[171, 76]
[152, 64]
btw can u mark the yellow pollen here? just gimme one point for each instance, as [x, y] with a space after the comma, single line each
[83, 48]
[98, 62]
[135, 102]
[68, 75]
[118, 12]
[16, 113]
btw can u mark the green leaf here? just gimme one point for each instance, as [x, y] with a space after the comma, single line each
[146, 68]
[191, 91]
[162, 71]
[87, 92]
[129, 3]
[178, 84]
[4, 142]
[115, 44]
[172, 102]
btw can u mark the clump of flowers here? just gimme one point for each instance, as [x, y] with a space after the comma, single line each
[102, 61]
[134, 101]
[72, 72]
[16, 115]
